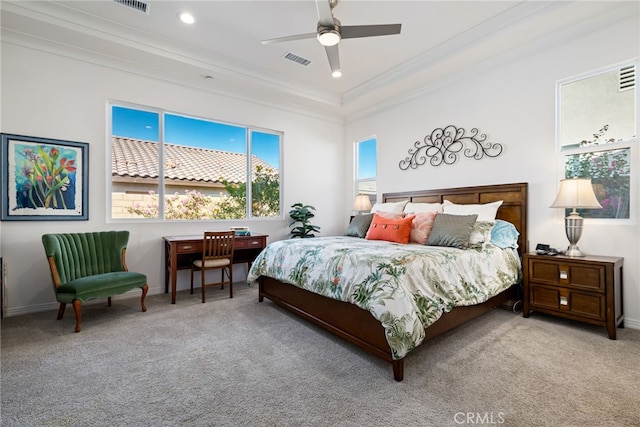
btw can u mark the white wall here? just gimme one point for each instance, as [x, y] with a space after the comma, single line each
[512, 99]
[52, 96]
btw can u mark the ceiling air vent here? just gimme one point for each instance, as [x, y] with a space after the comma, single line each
[297, 59]
[135, 4]
[627, 78]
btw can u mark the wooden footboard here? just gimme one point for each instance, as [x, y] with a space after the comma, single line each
[358, 326]
[346, 320]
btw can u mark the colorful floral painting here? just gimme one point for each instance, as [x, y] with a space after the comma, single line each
[45, 179]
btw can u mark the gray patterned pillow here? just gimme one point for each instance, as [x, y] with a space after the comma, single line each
[359, 226]
[451, 230]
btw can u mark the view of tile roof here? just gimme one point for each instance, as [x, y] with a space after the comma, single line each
[135, 158]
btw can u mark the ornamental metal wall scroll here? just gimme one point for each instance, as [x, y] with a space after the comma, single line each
[443, 146]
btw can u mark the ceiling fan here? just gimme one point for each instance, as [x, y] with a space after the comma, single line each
[330, 31]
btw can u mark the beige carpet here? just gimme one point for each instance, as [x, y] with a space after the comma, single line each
[237, 362]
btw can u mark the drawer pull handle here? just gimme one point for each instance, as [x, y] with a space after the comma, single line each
[255, 243]
[187, 247]
[563, 275]
[564, 301]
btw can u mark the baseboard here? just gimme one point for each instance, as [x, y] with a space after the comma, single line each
[631, 323]
[134, 293]
[511, 305]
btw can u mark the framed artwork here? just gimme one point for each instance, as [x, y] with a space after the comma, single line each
[44, 179]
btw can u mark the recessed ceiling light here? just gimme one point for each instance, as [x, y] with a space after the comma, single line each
[336, 74]
[186, 17]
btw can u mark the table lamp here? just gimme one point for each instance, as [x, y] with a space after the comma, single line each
[362, 203]
[575, 193]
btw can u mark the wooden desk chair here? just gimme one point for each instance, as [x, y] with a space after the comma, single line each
[217, 253]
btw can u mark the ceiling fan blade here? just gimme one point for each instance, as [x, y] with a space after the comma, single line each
[334, 57]
[356, 31]
[325, 16]
[290, 38]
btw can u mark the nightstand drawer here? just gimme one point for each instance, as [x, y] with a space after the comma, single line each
[587, 289]
[545, 297]
[583, 304]
[588, 305]
[580, 276]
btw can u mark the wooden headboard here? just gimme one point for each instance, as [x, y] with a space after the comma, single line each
[513, 209]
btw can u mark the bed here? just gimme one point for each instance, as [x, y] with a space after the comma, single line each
[358, 325]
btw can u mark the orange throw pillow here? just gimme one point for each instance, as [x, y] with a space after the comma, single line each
[390, 215]
[391, 230]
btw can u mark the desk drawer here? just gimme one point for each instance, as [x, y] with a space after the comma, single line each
[188, 247]
[245, 243]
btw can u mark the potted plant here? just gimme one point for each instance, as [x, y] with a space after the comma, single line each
[302, 214]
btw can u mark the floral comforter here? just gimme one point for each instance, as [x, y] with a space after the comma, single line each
[405, 287]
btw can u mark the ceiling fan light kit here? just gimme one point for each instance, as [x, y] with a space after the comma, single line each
[329, 32]
[329, 37]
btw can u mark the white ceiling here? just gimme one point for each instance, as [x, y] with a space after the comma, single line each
[222, 51]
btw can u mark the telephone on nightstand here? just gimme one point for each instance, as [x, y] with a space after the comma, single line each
[543, 249]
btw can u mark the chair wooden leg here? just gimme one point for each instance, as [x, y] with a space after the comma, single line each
[145, 289]
[61, 310]
[77, 307]
[231, 281]
[191, 279]
[203, 284]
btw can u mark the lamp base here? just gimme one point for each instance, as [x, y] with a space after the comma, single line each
[574, 251]
[573, 228]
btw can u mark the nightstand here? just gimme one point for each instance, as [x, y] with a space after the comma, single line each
[587, 289]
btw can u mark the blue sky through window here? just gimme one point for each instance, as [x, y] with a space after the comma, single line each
[187, 131]
[137, 124]
[367, 159]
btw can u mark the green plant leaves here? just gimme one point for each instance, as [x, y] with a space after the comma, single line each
[301, 213]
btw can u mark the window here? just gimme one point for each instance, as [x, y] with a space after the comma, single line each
[366, 169]
[175, 167]
[597, 132]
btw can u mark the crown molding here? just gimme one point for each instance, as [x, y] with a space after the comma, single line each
[240, 89]
[464, 41]
[628, 10]
[167, 60]
[126, 39]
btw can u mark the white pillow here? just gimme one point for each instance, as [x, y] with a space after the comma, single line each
[485, 212]
[423, 207]
[396, 207]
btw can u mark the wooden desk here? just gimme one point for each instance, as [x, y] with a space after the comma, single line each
[180, 251]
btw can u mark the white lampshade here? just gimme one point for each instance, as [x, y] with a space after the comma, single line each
[362, 203]
[576, 193]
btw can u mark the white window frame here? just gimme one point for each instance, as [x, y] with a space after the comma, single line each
[356, 156]
[161, 187]
[631, 144]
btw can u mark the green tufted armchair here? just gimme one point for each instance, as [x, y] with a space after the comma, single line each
[86, 266]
